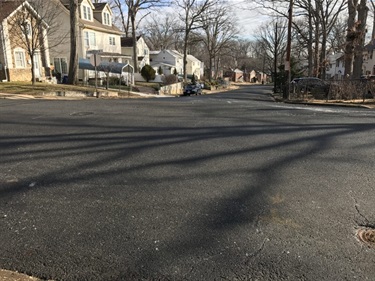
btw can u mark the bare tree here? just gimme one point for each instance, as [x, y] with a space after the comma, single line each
[320, 17]
[355, 37]
[361, 30]
[372, 13]
[161, 31]
[133, 7]
[123, 15]
[336, 39]
[218, 32]
[190, 15]
[272, 38]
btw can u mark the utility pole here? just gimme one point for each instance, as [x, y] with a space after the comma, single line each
[288, 50]
[275, 62]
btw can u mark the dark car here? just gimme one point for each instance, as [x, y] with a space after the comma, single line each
[312, 85]
[192, 89]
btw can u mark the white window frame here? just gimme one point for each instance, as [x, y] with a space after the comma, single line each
[86, 13]
[19, 58]
[89, 38]
[106, 18]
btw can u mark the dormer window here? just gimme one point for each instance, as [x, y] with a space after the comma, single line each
[87, 13]
[106, 19]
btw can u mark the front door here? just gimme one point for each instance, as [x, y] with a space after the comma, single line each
[37, 70]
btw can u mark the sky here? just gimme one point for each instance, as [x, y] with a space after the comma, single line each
[249, 18]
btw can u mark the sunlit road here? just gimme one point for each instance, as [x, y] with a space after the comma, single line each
[230, 186]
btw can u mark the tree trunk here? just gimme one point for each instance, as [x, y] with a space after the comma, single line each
[135, 57]
[324, 32]
[316, 51]
[73, 62]
[33, 79]
[361, 32]
[349, 47]
[310, 43]
[185, 56]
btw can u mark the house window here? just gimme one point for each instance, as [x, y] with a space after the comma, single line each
[26, 28]
[61, 65]
[112, 41]
[86, 12]
[90, 39]
[106, 19]
[19, 58]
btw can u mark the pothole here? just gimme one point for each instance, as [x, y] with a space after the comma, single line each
[367, 236]
[81, 113]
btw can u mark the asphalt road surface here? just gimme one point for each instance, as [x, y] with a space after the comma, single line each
[231, 186]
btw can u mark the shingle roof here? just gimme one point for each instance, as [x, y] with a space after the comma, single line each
[99, 6]
[7, 7]
[128, 41]
[95, 24]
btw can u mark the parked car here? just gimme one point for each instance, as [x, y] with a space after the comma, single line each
[192, 89]
[312, 85]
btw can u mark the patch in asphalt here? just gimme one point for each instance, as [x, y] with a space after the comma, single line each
[367, 236]
[81, 113]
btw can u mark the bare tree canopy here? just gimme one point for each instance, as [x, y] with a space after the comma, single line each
[129, 10]
[218, 33]
[190, 12]
[161, 31]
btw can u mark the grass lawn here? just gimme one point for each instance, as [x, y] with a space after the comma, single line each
[39, 88]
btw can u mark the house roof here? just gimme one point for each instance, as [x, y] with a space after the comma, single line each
[128, 41]
[6, 8]
[99, 6]
[175, 53]
[95, 24]
[192, 58]
[334, 57]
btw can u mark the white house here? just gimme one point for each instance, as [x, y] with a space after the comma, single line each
[335, 68]
[97, 35]
[170, 61]
[368, 66]
[194, 66]
[143, 51]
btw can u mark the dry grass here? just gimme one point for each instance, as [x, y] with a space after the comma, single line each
[39, 88]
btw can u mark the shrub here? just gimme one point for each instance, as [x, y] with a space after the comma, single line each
[148, 72]
[169, 79]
